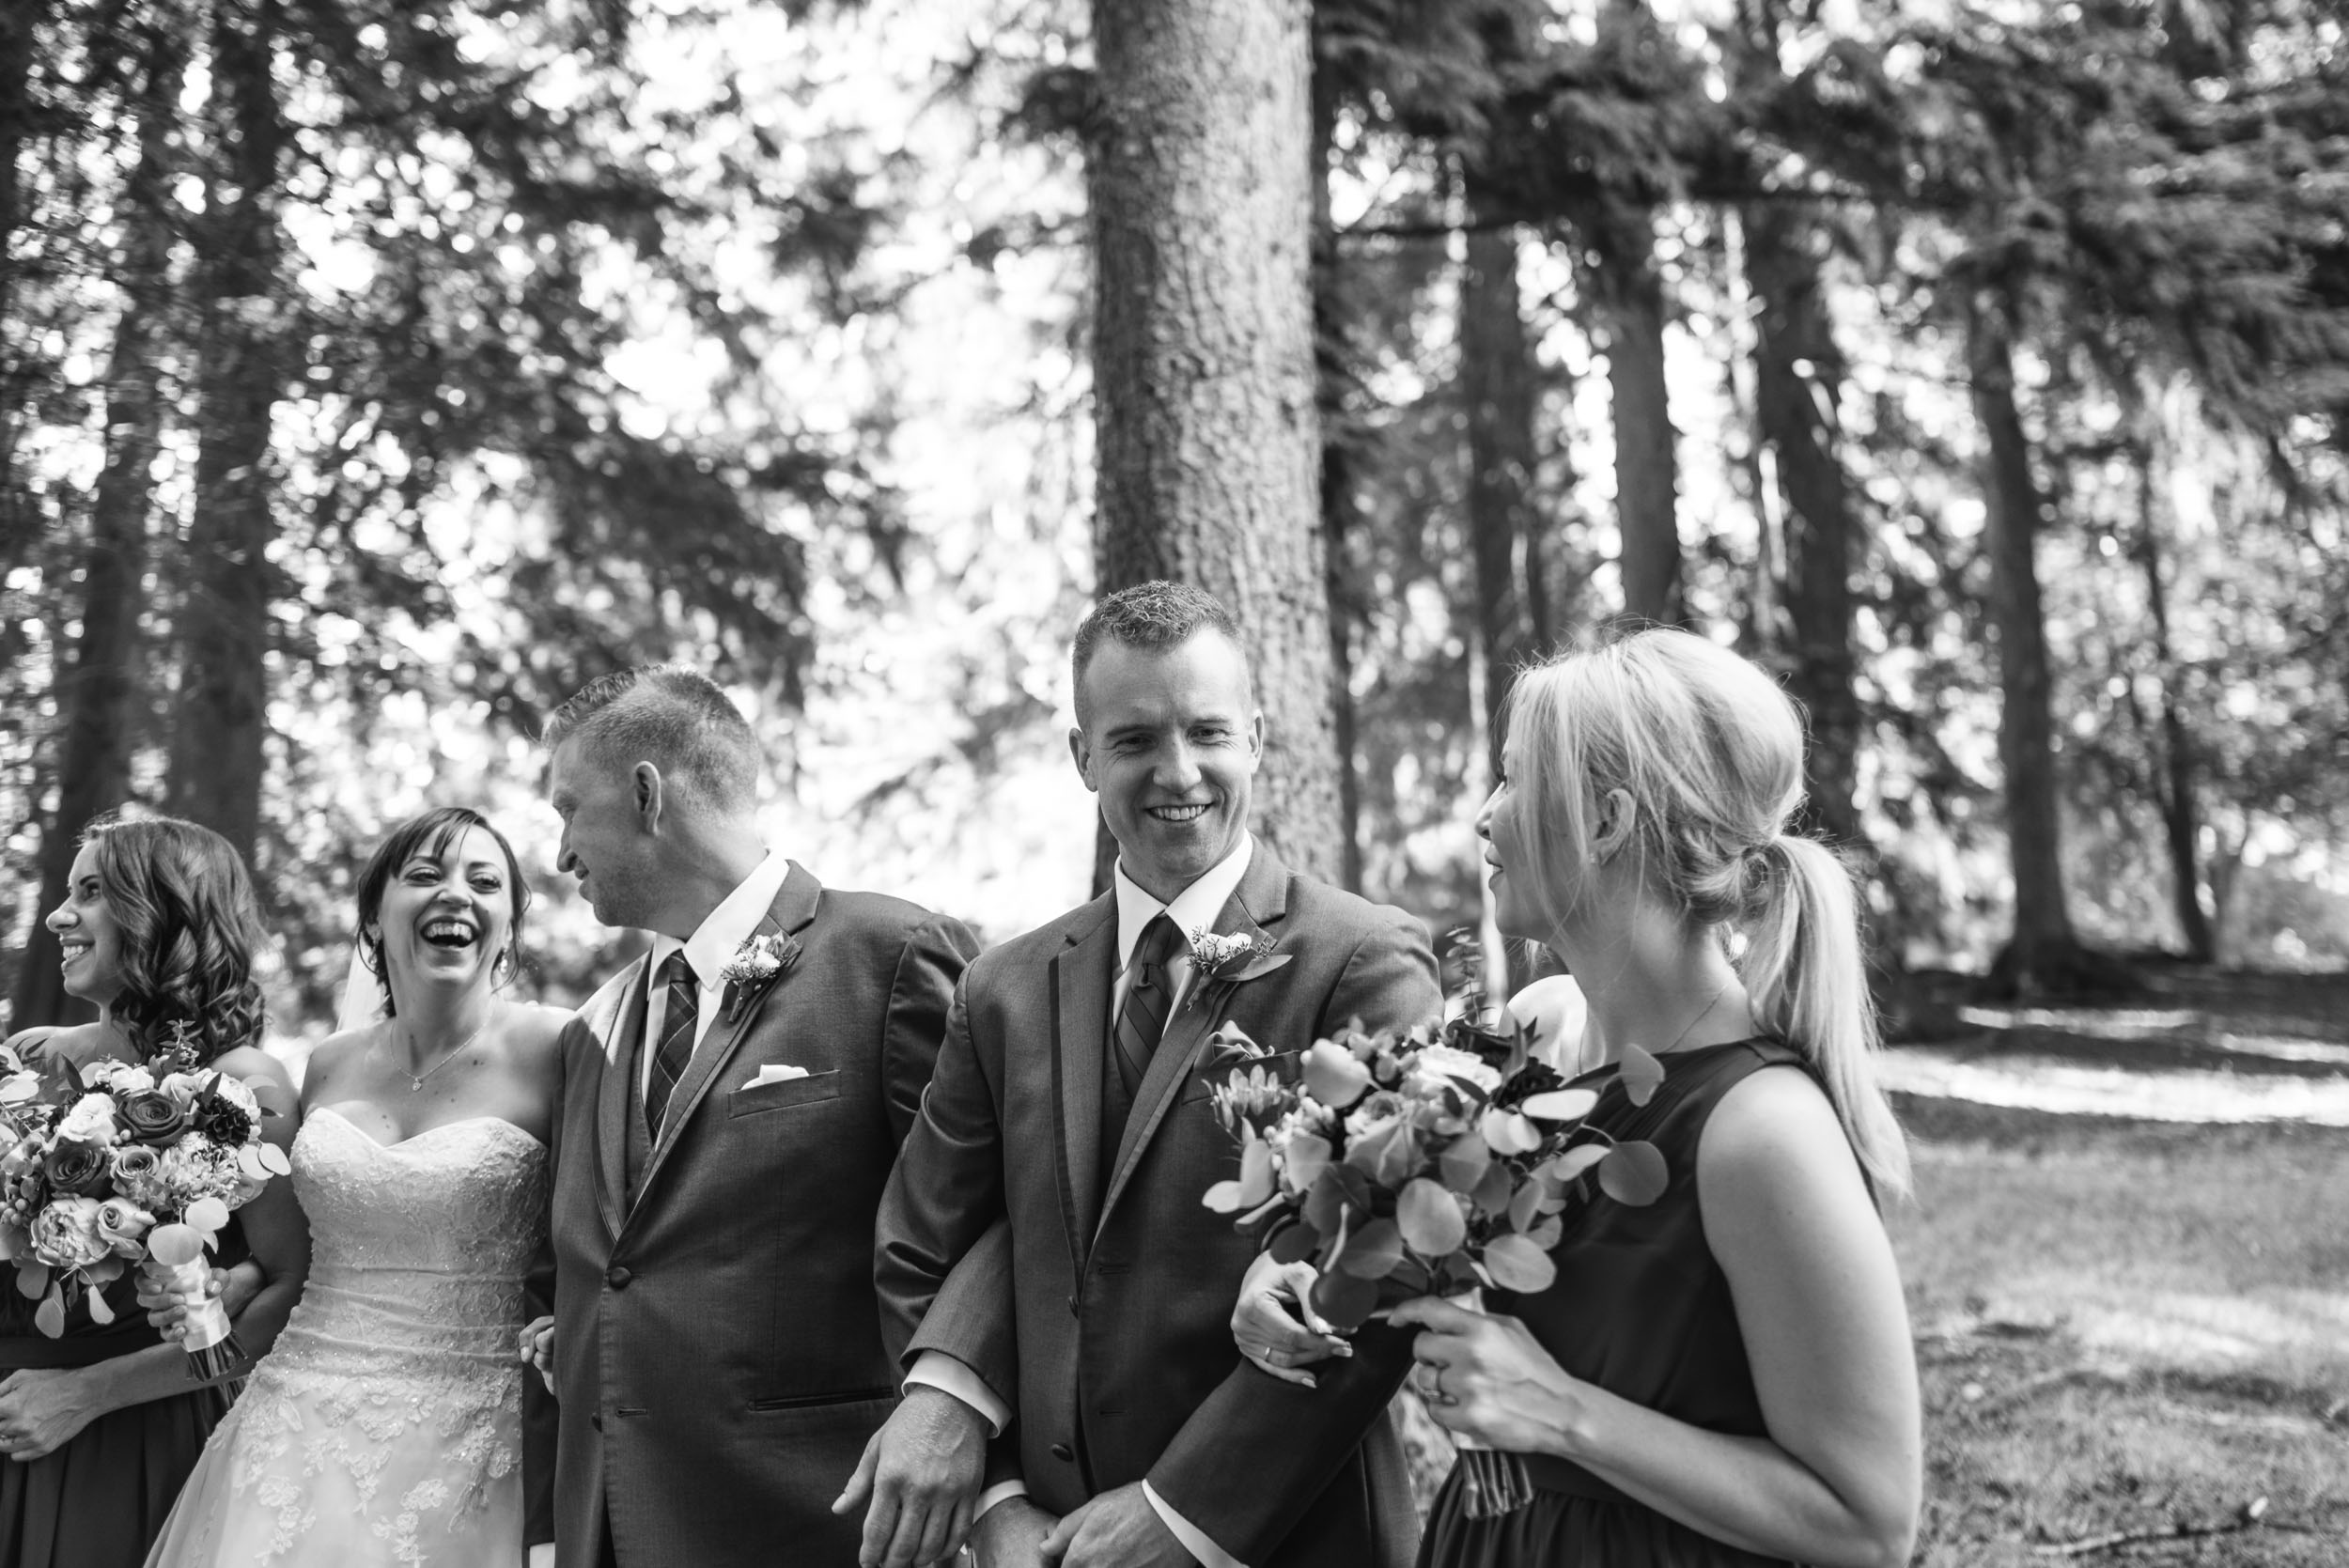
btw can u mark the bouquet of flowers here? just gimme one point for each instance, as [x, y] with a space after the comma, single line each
[1435, 1161]
[137, 1165]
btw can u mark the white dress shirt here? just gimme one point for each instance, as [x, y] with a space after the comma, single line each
[734, 921]
[1193, 909]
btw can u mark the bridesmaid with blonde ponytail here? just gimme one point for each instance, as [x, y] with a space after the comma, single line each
[1722, 1378]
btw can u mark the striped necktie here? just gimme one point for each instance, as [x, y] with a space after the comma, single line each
[1141, 1019]
[676, 1040]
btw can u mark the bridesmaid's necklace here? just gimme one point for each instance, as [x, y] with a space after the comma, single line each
[1706, 1012]
[416, 1080]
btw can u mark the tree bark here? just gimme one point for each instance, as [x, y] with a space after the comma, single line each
[2178, 792]
[1332, 373]
[1496, 396]
[20, 519]
[1208, 448]
[1631, 300]
[2043, 947]
[1798, 375]
[217, 756]
[95, 694]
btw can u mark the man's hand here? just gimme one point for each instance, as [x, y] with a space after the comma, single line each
[1011, 1534]
[921, 1473]
[538, 1347]
[1116, 1529]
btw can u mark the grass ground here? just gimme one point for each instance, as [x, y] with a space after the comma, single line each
[2126, 1328]
[2131, 1325]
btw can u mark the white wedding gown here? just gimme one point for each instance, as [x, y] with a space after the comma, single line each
[385, 1426]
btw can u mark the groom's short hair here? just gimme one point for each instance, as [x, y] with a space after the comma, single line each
[1155, 614]
[673, 717]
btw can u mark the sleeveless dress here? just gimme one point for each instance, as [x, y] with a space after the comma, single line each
[98, 1502]
[385, 1426]
[1642, 1311]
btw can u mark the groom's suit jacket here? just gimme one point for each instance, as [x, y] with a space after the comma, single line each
[718, 1359]
[1105, 1321]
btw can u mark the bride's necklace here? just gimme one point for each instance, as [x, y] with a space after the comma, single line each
[416, 1080]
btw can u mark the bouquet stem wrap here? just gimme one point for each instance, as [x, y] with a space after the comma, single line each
[177, 1262]
[1493, 1482]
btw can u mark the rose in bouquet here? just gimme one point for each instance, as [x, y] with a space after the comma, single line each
[136, 1165]
[1435, 1161]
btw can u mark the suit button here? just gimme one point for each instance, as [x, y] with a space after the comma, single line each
[596, 1420]
[617, 1277]
[1062, 1451]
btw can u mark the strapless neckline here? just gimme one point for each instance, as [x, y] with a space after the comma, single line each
[373, 1142]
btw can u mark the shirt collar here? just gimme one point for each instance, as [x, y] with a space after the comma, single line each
[727, 927]
[1194, 908]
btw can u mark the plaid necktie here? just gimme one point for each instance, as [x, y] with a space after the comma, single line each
[1148, 1001]
[676, 1040]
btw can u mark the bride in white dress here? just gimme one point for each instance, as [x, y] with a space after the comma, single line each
[385, 1427]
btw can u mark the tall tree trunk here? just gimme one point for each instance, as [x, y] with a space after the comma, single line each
[1631, 300]
[19, 520]
[1798, 375]
[1332, 375]
[2179, 793]
[1497, 396]
[217, 746]
[1208, 448]
[95, 694]
[2044, 948]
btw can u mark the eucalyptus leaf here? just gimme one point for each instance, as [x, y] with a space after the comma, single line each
[1430, 1219]
[1515, 1263]
[1634, 1174]
[1374, 1250]
[49, 1318]
[1493, 1193]
[1295, 1243]
[1561, 1105]
[1640, 1074]
[1343, 1300]
[1571, 1164]
[1463, 1161]
[1525, 1205]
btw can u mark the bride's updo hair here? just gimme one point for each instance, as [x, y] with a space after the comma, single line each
[430, 834]
[190, 928]
[1710, 752]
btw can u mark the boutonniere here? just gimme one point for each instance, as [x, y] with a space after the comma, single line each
[1219, 963]
[756, 964]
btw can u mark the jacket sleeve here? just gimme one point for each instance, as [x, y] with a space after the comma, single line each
[944, 1198]
[921, 994]
[1255, 1456]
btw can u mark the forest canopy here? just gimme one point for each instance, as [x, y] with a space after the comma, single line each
[373, 374]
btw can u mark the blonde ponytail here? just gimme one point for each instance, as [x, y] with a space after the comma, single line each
[1710, 749]
[1803, 971]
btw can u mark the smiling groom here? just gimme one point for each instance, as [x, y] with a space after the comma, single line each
[1049, 1272]
[732, 1105]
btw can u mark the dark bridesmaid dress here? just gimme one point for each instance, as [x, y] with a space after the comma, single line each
[100, 1500]
[1642, 1311]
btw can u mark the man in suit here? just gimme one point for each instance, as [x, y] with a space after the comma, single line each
[732, 1104]
[1048, 1270]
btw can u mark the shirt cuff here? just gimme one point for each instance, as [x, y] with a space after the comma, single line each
[937, 1370]
[1002, 1491]
[542, 1555]
[1195, 1540]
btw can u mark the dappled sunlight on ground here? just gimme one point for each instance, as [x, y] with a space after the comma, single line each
[2051, 1083]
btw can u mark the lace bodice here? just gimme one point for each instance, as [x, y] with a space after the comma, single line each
[394, 1390]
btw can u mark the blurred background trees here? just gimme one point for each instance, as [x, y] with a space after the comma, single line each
[371, 374]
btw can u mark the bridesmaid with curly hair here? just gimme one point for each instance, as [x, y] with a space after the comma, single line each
[100, 1428]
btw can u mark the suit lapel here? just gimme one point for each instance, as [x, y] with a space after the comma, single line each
[622, 1036]
[794, 908]
[1081, 975]
[1257, 907]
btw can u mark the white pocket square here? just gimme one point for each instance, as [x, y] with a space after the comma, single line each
[776, 1072]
